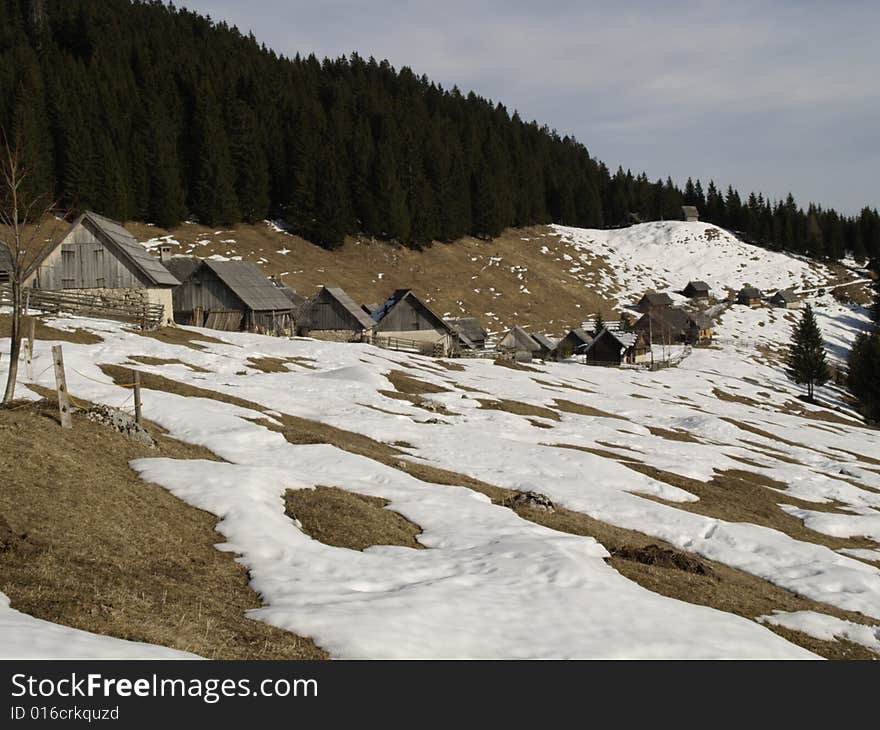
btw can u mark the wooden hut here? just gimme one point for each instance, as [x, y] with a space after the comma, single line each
[404, 320]
[229, 295]
[471, 333]
[673, 326]
[696, 290]
[615, 348]
[545, 343]
[654, 300]
[750, 296]
[519, 344]
[576, 341]
[332, 315]
[786, 299]
[690, 214]
[98, 256]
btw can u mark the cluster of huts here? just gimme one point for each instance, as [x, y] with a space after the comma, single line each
[100, 255]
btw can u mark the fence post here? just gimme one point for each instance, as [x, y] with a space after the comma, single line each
[61, 387]
[29, 349]
[137, 396]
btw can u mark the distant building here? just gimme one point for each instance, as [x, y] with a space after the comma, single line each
[98, 256]
[616, 348]
[750, 296]
[332, 315]
[5, 264]
[697, 290]
[786, 299]
[654, 300]
[229, 295]
[576, 341]
[674, 325]
[690, 214]
[405, 317]
[546, 344]
[471, 330]
[520, 344]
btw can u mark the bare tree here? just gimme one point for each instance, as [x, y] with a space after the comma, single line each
[22, 219]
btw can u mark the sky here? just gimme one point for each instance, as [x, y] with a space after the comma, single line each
[768, 96]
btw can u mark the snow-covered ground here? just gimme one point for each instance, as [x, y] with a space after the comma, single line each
[492, 584]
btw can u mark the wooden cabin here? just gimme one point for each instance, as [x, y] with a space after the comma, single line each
[519, 344]
[576, 341]
[545, 343]
[472, 335]
[405, 319]
[332, 315]
[690, 214]
[786, 299]
[697, 290]
[654, 300]
[229, 295]
[98, 256]
[750, 296]
[616, 348]
[674, 326]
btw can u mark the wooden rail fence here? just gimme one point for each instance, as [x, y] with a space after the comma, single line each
[148, 316]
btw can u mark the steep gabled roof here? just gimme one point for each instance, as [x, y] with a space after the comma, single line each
[625, 340]
[182, 266]
[786, 295]
[521, 340]
[657, 299]
[292, 295]
[347, 303]
[750, 292]
[128, 248]
[545, 342]
[697, 286]
[406, 295]
[250, 284]
[469, 327]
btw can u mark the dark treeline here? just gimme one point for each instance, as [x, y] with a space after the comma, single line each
[147, 112]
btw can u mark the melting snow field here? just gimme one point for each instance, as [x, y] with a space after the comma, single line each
[491, 584]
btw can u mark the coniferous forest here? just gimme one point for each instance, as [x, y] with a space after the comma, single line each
[144, 111]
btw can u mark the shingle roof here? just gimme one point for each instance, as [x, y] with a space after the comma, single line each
[347, 303]
[544, 341]
[750, 292]
[658, 298]
[786, 295]
[469, 327]
[698, 285]
[153, 269]
[250, 285]
[182, 266]
[400, 295]
[295, 298]
[521, 339]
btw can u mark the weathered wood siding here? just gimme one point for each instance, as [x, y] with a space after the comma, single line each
[327, 314]
[407, 318]
[204, 289]
[83, 262]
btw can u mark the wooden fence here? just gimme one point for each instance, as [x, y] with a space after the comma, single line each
[148, 316]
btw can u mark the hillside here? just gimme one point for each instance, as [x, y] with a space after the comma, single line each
[548, 277]
[700, 511]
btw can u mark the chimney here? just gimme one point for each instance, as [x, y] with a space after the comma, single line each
[164, 254]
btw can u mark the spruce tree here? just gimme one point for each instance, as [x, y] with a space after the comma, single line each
[598, 325]
[863, 377]
[807, 353]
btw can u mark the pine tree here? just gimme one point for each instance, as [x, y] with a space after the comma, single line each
[807, 353]
[598, 325]
[863, 377]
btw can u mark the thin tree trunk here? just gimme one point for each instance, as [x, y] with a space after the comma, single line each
[15, 342]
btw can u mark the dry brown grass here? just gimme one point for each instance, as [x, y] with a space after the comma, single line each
[582, 410]
[43, 331]
[517, 408]
[719, 586]
[345, 519]
[675, 434]
[444, 274]
[736, 495]
[179, 336]
[269, 364]
[119, 556]
[147, 360]
[405, 383]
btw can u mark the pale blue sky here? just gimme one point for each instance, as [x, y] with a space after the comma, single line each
[771, 96]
